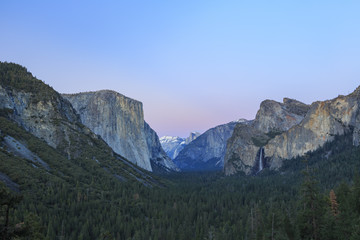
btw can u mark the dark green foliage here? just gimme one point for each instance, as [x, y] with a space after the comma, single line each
[8, 201]
[98, 195]
[79, 200]
[311, 209]
[335, 162]
[17, 77]
[30, 228]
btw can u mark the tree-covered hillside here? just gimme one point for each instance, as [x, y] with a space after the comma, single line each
[17, 77]
[80, 189]
[289, 204]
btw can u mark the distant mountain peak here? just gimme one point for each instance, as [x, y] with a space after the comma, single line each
[164, 139]
[173, 145]
[207, 151]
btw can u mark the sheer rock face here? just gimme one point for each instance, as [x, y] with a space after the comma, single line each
[273, 118]
[192, 136]
[53, 119]
[291, 129]
[157, 153]
[323, 121]
[119, 120]
[207, 151]
[241, 151]
[278, 117]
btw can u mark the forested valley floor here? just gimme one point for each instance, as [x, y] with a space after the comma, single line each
[314, 197]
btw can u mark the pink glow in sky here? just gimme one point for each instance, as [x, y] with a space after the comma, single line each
[193, 64]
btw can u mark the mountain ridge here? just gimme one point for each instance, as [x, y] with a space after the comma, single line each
[174, 145]
[207, 151]
[119, 120]
[34, 116]
[290, 133]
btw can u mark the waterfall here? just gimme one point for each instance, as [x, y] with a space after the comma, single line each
[261, 160]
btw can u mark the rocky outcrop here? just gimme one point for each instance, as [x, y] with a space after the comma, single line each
[241, 150]
[18, 149]
[39, 109]
[42, 111]
[192, 136]
[207, 151]
[174, 145]
[41, 132]
[41, 118]
[278, 117]
[119, 120]
[288, 130]
[323, 121]
[272, 119]
[158, 158]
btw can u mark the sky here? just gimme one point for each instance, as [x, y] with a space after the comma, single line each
[193, 64]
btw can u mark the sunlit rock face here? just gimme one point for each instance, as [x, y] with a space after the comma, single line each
[272, 119]
[323, 121]
[119, 120]
[290, 129]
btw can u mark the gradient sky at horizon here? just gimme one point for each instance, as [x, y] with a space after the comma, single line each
[193, 64]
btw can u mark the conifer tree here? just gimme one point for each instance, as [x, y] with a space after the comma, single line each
[8, 201]
[311, 208]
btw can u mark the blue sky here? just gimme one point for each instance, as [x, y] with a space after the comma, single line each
[193, 64]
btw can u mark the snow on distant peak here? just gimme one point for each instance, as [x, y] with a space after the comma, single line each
[241, 120]
[172, 145]
[169, 139]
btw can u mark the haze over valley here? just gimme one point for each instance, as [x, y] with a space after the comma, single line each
[179, 120]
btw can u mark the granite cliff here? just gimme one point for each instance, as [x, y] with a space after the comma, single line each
[244, 147]
[42, 139]
[321, 124]
[119, 120]
[39, 109]
[207, 151]
[158, 158]
[290, 129]
[192, 136]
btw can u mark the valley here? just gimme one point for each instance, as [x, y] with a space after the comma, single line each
[88, 166]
